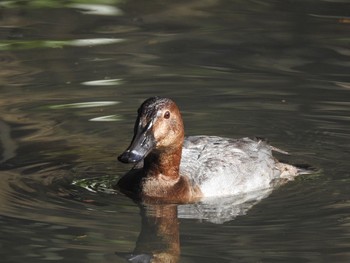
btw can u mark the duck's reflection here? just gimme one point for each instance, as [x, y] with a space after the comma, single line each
[159, 239]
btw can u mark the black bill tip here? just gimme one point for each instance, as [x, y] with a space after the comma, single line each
[130, 157]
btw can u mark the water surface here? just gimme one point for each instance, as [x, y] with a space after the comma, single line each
[73, 76]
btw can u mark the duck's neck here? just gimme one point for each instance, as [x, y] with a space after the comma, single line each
[162, 180]
[164, 163]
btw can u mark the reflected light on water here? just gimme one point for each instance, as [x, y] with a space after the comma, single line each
[102, 82]
[32, 44]
[96, 9]
[94, 42]
[90, 104]
[107, 118]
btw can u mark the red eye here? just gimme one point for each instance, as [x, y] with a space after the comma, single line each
[167, 115]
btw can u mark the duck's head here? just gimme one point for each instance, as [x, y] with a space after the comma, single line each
[158, 127]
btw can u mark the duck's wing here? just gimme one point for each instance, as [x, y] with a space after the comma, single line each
[222, 166]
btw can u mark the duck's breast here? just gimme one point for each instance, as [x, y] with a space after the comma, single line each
[221, 166]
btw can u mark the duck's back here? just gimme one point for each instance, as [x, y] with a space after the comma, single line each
[221, 166]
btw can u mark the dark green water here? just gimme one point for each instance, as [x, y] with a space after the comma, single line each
[72, 76]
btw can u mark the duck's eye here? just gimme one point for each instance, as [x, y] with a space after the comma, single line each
[167, 115]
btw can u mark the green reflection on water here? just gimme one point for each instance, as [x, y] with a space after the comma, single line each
[102, 184]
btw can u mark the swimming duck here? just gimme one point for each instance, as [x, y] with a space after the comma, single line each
[182, 170]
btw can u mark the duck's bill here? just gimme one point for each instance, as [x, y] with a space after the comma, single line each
[141, 145]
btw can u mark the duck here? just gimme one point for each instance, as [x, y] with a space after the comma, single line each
[172, 168]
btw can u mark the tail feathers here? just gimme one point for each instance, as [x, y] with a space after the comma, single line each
[275, 149]
[289, 171]
[305, 169]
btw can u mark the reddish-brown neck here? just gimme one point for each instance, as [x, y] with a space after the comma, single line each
[166, 163]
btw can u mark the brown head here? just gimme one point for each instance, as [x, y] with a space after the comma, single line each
[158, 127]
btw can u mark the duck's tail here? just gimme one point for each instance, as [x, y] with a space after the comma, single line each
[305, 169]
[289, 172]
